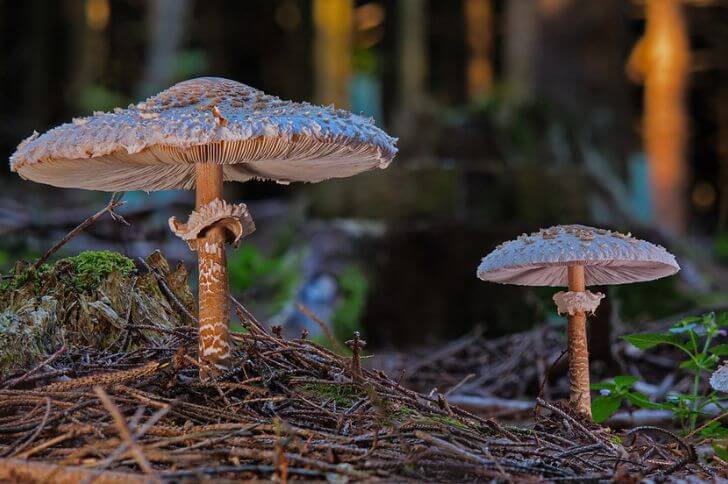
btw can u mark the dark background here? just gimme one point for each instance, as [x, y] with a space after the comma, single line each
[512, 115]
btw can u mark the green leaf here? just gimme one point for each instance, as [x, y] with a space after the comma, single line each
[722, 320]
[646, 341]
[607, 385]
[640, 400]
[689, 365]
[689, 320]
[683, 329]
[721, 449]
[625, 381]
[700, 362]
[720, 350]
[714, 430]
[605, 407]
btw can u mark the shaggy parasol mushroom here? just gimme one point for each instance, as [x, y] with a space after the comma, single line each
[195, 135]
[576, 256]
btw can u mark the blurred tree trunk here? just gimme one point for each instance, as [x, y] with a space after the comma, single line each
[579, 74]
[413, 54]
[413, 67]
[36, 91]
[167, 21]
[723, 157]
[661, 60]
[479, 31]
[90, 20]
[521, 35]
[333, 22]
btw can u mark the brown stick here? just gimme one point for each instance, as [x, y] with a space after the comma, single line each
[36, 432]
[19, 470]
[124, 431]
[113, 204]
[214, 345]
[579, 396]
[356, 344]
[324, 327]
[28, 374]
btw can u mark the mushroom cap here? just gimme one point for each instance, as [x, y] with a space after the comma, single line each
[719, 379]
[155, 144]
[542, 258]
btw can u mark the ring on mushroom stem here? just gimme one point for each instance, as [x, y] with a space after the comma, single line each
[576, 256]
[196, 135]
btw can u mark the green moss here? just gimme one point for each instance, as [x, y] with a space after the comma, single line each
[86, 270]
[91, 267]
[406, 413]
[21, 274]
[444, 420]
[341, 393]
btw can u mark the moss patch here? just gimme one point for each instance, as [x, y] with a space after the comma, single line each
[341, 393]
[444, 420]
[93, 266]
[406, 414]
[84, 272]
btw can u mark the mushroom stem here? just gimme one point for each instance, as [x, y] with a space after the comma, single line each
[579, 395]
[214, 347]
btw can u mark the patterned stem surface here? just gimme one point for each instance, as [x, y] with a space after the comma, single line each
[214, 347]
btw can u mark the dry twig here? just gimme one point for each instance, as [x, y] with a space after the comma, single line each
[113, 204]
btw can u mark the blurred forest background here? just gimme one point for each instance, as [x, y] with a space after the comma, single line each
[512, 115]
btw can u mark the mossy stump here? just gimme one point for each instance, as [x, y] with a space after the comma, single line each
[96, 299]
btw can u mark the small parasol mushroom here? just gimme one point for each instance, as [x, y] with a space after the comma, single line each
[195, 135]
[576, 256]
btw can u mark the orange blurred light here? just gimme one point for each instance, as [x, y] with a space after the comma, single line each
[479, 34]
[369, 16]
[333, 21]
[97, 14]
[704, 195]
[661, 59]
[551, 8]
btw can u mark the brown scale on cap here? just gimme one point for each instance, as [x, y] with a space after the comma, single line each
[191, 92]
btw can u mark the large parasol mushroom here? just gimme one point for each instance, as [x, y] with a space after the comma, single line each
[195, 135]
[577, 256]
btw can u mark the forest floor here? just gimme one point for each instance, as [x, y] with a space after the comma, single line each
[99, 382]
[290, 409]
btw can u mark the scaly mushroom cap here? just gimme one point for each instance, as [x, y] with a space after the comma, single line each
[153, 145]
[541, 259]
[719, 379]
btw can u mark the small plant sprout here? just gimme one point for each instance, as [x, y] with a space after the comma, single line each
[699, 339]
[576, 256]
[356, 344]
[196, 135]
